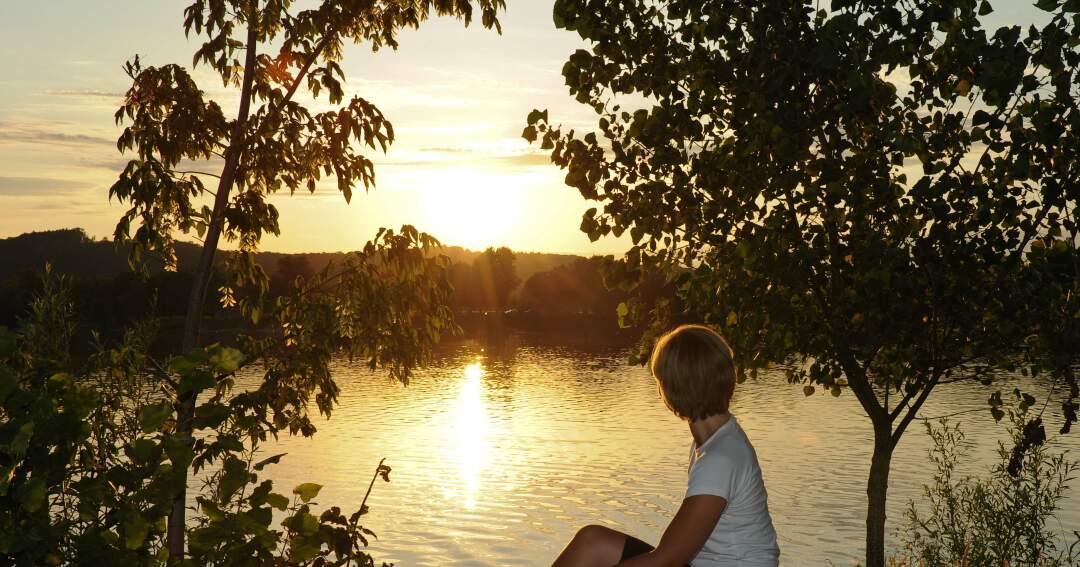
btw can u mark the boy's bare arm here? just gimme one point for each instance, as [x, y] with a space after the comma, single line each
[685, 535]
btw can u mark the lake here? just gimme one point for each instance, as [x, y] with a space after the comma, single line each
[501, 451]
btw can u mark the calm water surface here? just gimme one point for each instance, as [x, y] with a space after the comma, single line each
[500, 454]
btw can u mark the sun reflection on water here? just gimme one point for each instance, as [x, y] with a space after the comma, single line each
[471, 435]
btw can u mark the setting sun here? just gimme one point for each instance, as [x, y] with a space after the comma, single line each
[471, 208]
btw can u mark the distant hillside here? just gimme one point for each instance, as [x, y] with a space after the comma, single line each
[531, 291]
[528, 263]
[72, 252]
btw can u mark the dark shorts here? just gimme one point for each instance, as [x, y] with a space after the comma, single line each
[634, 547]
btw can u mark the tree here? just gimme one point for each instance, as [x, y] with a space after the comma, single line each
[276, 143]
[881, 196]
[576, 287]
[496, 276]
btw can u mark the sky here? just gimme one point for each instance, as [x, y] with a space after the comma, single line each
[457, 97]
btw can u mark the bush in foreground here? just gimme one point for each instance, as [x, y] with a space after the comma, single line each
[996, 520]
[90, 458]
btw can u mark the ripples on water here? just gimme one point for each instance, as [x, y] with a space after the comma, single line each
[499, 457]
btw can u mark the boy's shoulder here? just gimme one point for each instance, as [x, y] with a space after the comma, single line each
[731, 448]
[722, 464]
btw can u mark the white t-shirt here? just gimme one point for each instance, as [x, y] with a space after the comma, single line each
[727, 466]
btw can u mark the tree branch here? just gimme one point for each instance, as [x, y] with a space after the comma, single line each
[910, 415]
[197, 173]
[307, 66]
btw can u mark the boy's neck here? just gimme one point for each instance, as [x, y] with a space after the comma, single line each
[702, 429]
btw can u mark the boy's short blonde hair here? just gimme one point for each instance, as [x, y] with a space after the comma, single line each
[695, 370]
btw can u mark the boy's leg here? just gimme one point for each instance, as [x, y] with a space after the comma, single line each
[593, 546]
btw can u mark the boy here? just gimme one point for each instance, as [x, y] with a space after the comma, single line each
[724, 519]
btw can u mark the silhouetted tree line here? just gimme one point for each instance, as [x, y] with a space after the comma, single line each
[580, 288]
[109, 295]
[72, 252]
[106, 293]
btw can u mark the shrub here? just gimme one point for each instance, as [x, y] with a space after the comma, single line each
[90, 459]
[996, 520]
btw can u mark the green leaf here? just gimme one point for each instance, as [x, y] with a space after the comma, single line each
[213, 512]
[136, 528]
[277, 501]
[195, 381]
[308, 525]
[210, 416]
[529, 133]
[256, 519]
[31, 496]
[536, 116]
[226, 359]
[234, 476]
[179, 451]
[302, 549]
[307, 491]
[808, 390]
[151, 417]
[558, 19]
[182, 365]
[143, 451]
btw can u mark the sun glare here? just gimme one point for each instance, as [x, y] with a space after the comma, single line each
[472, 208]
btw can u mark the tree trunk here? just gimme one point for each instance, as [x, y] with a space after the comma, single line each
[185, 404]
[877, 489]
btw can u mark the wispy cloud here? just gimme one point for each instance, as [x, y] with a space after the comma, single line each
[448, 150]
[40, 186]
[36, 134]
[526, 159]
[53, 206]
[499, 156]
[84, 93]
[115, 164]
